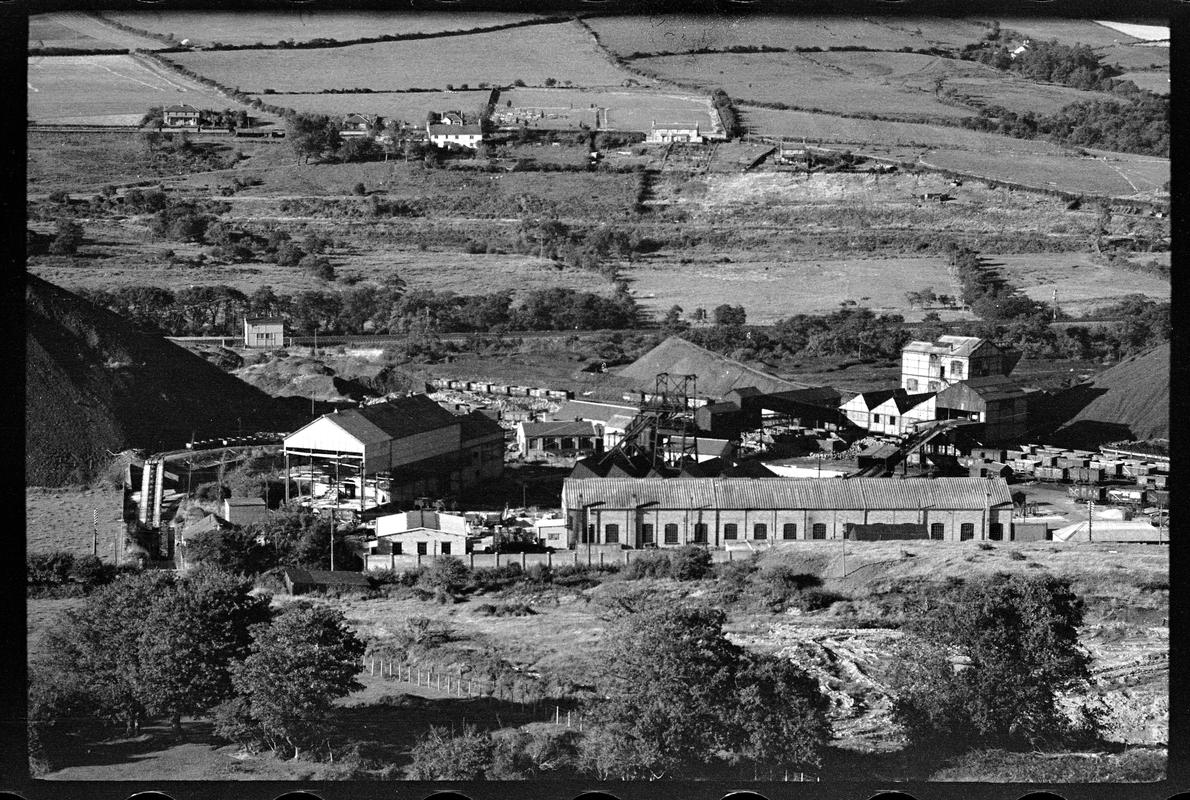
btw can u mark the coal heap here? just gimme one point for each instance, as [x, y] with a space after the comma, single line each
[95, 385]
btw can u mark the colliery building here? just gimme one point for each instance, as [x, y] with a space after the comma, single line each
[396, 451]
[749, 512]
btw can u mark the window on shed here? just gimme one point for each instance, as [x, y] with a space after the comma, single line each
[700, 532]
[730, 530]
[646, 533]
[760, 531]
[611, 533]
[444, 548]
[996, 531]
[818, 531]
[421, 548]
[937, 530]
[911, 384]
[956, 369]
[396, 548]
[875, 419]
[966, 531]
[671, 533]
[789, 530]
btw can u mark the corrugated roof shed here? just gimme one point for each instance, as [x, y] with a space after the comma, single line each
[478, 425]
[558, 428]
[807, 493]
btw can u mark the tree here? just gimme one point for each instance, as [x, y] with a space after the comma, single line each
[238, 551]
[448, 574]
[673, 321]
[192, 632]
[1019, 637]
[359, 148]
[152, 643]
[311, 135]
[296, 666]
[671, 698]
[68, 235]
[780, 714]
[729, 315]
[318, 266]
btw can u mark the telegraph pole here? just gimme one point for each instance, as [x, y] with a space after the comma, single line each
[1090, 505]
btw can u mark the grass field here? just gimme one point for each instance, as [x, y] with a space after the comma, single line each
[623, 110]
[683, 32]
[462, 273]
[843, 84]
[1067, 31]
[60, 519]
[75, 29]
[530, 54]
[108, 90]
[407, 106]
[1082, 285]
[1155, 81]
[1121, 175]
[269, 27]
[1136, 56]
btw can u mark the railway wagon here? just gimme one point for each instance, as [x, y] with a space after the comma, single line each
[1050, 473]
[1084, 492]
[499, 388]
[518, 391]
[1127, 496]
[559, 394]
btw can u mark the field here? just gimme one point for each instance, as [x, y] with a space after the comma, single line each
[461, 273]
[622, 110]
[771, 289]
[842, 84]
[108, 90]
[60, 519]
[1120, 175]
[269, 27]
[75, 29]
[1155, 81]
[407, 106]
[679, 33]
[529, 54]
[1082, 285]
[1136, 56]
[1067, 31]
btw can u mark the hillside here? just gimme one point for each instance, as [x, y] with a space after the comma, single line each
[1129, 401]
[96, 385]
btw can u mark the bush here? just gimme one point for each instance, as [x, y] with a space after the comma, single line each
[446, 573]
[649, 565]
[68, 235]
[1017, 555]
[691, 563]
[817, 598]
[360, 189]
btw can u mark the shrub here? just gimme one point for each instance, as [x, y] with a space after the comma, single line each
[359, 189]
[68, 235]
[649, 565]
[1017, 555]
[816, 598]
[985, 546]
[318, 266]
[446, 573]
[691, 563]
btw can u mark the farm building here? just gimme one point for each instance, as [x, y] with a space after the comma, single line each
[264, 332]
[446, 134]
[180, 116]
[301, 581]
[241, 511]
[355, 125]
[724, 512]
[666, 133]
[560, 439]
[932, 366]
[418, 532]
[411, 444]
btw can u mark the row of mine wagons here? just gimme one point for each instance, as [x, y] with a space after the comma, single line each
[481, 387]
[722, 528]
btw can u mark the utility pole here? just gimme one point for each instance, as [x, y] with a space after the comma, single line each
[1090, 505]
[95, 531]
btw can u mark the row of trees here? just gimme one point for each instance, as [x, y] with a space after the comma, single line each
[1077, 66]
[159, 645]
[227, 118]
[384, 308]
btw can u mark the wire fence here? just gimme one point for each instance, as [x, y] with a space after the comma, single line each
[457, 685]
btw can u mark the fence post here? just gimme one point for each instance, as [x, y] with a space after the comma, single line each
[471, 556]
[439, 681]
[557, 714]
[372, 665]
[567, 719]
[497, 555]
[601, 558]
[523, 559]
